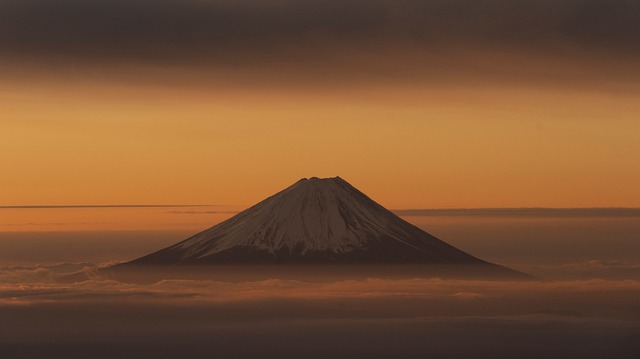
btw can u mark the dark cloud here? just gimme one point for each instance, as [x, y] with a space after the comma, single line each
[595, 268]
[25, 248]
[406, 318]
[162, 31]
[285, 33]
[152, 332]
[414, 317]
[130, 28]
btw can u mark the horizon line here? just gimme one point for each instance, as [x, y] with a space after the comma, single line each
[110, 206]
[436, 212]
[523, 211]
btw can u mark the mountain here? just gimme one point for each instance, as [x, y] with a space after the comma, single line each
[314, 221]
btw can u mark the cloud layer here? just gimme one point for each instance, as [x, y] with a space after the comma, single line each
[321, 40]
[410, 317]
[112, 29]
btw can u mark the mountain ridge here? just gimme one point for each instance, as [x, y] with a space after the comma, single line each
[312, 221]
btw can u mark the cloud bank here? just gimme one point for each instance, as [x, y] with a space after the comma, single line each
[324, 40]
[119, 29]
[409, 318]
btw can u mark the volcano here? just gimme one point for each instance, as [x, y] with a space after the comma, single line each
[314, 221]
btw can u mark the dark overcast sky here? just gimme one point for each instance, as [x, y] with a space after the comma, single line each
[211, 32]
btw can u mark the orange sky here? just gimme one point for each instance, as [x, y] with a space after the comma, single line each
[406, 146]
[419, 104]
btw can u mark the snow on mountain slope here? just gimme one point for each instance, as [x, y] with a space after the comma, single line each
[325, 220]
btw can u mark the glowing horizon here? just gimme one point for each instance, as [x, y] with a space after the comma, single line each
[412, 110]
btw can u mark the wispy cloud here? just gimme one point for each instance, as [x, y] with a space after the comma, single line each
[377, 318]
[33, 283]
[522, 212]
[110, 206]
[427, 212]
[203, 212]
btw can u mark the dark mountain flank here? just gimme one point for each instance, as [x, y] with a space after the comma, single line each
[316, 221]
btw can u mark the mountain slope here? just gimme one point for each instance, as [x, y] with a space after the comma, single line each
[313, 221]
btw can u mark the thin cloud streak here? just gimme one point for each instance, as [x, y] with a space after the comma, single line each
[111, 206]
[34, 283]
[203, 212]
[536, 212]
[522, 212]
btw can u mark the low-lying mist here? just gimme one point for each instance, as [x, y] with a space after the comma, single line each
[57, 301]
[408, 317]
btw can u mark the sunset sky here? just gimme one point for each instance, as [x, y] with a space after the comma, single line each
[506, 129]
[420, 104]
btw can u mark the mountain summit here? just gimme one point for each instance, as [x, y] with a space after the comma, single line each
[313, 221]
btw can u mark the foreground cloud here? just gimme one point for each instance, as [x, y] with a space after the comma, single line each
[276, 318]
[321, 39]
[34, 284]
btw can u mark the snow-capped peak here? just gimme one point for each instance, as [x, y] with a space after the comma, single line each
[313, 218]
